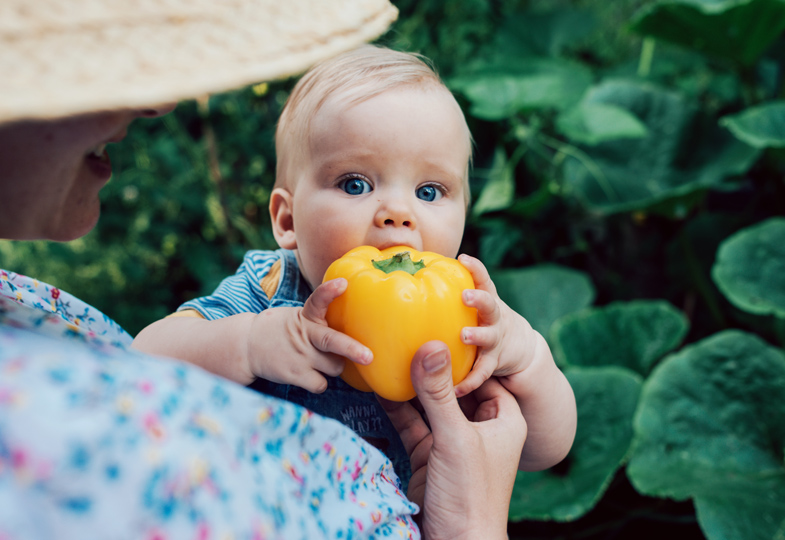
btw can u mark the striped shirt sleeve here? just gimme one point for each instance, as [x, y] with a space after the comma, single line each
[240, 293]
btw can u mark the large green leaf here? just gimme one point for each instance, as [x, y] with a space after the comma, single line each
[548, 33]
[711, 426]
[760, 126]
[503, 87]
[628, 334]
[740, 30]
[683, 152]
[606, 399]
[516, 71]
[499, 190]
[593, 123]
[543, 293]
[750, 268]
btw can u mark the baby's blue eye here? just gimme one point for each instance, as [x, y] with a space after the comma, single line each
[356, 186]
[428, 193]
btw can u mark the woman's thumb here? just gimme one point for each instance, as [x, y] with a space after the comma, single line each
[432, 380]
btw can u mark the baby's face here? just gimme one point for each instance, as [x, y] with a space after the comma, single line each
[387, 171]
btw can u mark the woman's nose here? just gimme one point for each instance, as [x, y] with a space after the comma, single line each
[155, 111]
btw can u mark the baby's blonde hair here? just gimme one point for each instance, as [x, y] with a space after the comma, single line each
[356, 76]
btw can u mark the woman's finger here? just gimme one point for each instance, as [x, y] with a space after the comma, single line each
[495, 401]
[431, 373]
[407, 422]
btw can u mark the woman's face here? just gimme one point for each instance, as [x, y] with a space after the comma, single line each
[52, 170]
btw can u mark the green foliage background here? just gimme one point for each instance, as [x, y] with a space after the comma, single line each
[628, 195]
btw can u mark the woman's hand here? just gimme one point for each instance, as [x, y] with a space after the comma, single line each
[463, 461]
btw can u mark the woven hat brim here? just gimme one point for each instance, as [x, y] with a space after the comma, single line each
[61, 58]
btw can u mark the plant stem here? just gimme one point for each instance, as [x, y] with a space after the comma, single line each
[214, 167]
[585, 160]
[699, 279]
[647, 56]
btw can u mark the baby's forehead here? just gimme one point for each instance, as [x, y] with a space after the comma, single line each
[350, 96]
[337, 103]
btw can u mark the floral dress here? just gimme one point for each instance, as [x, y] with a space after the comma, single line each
[98, 441]
[81, 318]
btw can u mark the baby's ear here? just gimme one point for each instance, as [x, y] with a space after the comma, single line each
[282, 218]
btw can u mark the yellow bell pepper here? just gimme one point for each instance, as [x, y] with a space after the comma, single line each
[397, 300]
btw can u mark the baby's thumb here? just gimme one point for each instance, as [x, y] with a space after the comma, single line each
[432, 379]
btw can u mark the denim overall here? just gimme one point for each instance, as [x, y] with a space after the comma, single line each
[357, 410]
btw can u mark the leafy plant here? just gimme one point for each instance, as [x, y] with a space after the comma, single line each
[686, 139]
[628, 197]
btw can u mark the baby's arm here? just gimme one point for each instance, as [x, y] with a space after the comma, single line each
[290, 345]
[511, 350]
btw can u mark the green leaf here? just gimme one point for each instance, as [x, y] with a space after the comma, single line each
[750, 268]
[683, 152]
[711, 426]
[633, 335]
[503, 87]
[606, 399]
[499, 191]
[498, 238]
[740, 30]
[762, 126]
[593, 123]
[543, 293]
[549, 32]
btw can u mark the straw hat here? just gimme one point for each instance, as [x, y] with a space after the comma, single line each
[63, 57]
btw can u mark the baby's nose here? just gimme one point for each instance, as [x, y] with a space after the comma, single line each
[395, 213]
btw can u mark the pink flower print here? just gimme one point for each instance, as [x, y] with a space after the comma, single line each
[156, 535]
[357, 470]
[153, 426]
[203, 532]
[146, 387]
[7, 397]
[293, 472]
[19, 459]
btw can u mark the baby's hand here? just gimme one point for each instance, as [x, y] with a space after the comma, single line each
[505, 340]
[293, 345]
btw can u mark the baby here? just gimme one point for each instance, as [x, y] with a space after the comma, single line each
[373, 150]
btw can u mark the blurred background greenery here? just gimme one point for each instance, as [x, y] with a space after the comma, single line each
[628, 195]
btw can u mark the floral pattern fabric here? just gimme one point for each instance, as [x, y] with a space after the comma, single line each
[101, 442]
[82, 318]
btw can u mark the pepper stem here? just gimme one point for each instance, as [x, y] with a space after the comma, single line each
[400, 261]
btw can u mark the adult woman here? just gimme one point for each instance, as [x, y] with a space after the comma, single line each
[97, 441]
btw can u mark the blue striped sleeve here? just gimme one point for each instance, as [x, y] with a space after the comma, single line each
[240, 293]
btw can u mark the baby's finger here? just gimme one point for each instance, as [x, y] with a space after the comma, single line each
[480, 275]
[327, 340]
[481, 372]
[486, 337]
[315, 308]
[313, 381]
[486, 304]
[329, 364]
